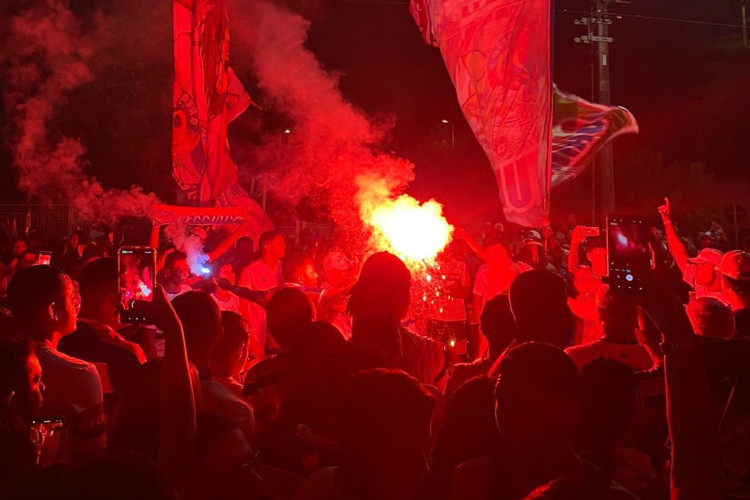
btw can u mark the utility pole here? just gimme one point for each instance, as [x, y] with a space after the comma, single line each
[744, 25]
[598, 36]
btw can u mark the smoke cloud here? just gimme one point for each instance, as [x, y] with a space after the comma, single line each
[47, 52]
[331, 142]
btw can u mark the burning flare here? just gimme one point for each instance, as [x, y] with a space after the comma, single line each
[414, 232]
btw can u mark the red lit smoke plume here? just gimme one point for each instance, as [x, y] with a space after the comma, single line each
[47, 53]
[331, 142]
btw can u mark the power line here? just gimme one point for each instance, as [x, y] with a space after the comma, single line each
[656, 18]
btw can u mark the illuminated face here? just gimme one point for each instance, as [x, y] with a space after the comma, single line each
[277, 247]
[19, 247]
[705, 273]
[179, 271]
[227, 272]
[67, 321]
[34, 381]
[309, 277]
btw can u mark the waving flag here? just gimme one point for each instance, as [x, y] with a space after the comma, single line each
[580, 129]
[497, 53]
[207, 96]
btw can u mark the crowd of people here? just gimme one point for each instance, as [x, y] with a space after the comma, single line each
[284, 373]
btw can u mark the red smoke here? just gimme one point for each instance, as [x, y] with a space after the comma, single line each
[46, 55]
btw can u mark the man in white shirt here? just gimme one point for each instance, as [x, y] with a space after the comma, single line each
[174, 275]
[41, 299]
[263, 274]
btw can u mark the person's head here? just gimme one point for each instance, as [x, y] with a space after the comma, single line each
[300, 269]
[530, 252]
[271, 245]
[337, 268]
[384, 430]
[735, 271]
[596, 253]
[74, 240]
[42, 301]
[226, 271]
[539, 301]
[378, 302]
[288, 313]
[619, 314]
[537, 395]
[21, 384]
[19, 246]
[176, 268]
[230, 351]
[201, 322]
[497, 324]
[707, 240]
[27, 259]
[711, 318]
[244, 251]
[495, 253]
[98, 285]
[610, 400]
[706, 263]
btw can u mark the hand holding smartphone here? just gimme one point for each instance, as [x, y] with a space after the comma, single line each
[136, 272]
[628, 253]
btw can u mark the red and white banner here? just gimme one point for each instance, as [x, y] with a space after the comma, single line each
[498, 55]
[207, 96]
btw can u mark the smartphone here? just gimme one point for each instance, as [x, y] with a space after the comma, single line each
[45, 257]
[628, 253]
[136, 274]
[45, 433]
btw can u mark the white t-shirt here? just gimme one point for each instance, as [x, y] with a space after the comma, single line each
[73, 390]
[231, 304]
[258, 276]
[183, 288]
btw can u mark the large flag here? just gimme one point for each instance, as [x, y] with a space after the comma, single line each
[580, 129]
[497, 53]
[207, 96]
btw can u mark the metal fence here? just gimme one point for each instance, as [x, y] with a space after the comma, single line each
[51, 220]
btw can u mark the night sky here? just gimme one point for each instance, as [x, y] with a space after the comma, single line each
[687, 85]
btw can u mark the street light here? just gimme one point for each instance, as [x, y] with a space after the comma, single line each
[453, 132]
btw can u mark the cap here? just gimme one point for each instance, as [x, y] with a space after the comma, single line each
[199, 232]
[336, 260]
[736, 265]
[707, 255]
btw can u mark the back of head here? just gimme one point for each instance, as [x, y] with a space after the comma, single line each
[230, 349]
[201, 321]
[498, 324]
[618, 312]
[711, 318]
[32, 290]
[98, 280]
[384, 410]
[538, 394]
[609, 404]
[382, 289]
[173, 257]
[539, 301]
[288, 313]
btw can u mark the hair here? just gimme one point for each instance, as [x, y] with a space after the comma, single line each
[98, 279]
[173, 257]
[236, 334]
[497, 323]
[288, 313]
[33, 289]
[201, 321]
[538, 299]
[294, 264]
[739, 286]
[383, 409]
[265, 239]
[711, 318]
[538, 391]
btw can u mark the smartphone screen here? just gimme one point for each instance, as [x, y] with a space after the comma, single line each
[45, 257]
[45, 433]
[628, 255]
[137, 270]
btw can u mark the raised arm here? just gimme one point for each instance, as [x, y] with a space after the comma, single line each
[573, 255]
[225, 245]
[676, 248]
